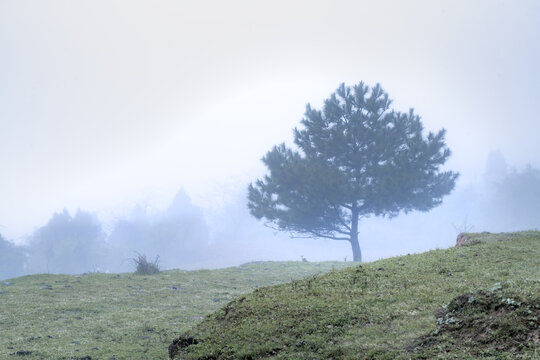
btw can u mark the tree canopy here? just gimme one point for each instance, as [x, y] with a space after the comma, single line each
[355, 158]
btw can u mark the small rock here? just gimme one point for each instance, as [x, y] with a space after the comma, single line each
[496, 286]
[23, 352]
[174, 288]
[462, 239]
[8, 283]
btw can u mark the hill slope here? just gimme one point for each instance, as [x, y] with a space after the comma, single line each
[123, 316]
[388, 309]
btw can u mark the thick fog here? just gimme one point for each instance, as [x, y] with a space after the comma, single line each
[130, 127]
[185, 236]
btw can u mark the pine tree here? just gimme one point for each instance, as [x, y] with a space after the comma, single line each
[355, 158]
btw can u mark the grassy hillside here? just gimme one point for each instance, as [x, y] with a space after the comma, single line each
[476, 301]
[123, 316]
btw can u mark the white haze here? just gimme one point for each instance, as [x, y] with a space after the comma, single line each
[106, 105]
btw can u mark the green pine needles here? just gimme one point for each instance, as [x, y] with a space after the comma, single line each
[355, 158]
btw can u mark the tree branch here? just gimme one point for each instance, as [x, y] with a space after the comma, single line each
[343, 223]
[338, 231]
[346, 206]
[315, 234]
[271, 225]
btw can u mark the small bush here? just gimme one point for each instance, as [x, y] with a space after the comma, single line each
[145, 267]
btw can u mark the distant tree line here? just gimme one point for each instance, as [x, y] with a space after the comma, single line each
[74, 244]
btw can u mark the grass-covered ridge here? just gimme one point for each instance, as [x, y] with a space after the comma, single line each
[390, 309]
[123, 316]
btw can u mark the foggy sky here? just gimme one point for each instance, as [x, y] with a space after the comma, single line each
[105, 104]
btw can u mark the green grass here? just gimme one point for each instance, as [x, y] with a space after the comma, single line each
[123, 316]
[388, 309]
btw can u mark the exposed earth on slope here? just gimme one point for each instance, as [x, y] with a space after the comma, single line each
[485, 323]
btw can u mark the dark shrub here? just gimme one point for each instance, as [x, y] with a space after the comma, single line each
[144, 266]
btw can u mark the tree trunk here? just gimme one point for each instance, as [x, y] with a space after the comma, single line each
[357, 253]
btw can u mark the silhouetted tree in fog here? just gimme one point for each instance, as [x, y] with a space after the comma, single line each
[355, 158]
[179, 235]
[513, 200]
[68, 245]
[12, 259]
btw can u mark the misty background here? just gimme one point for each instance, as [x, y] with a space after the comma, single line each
[134, 127]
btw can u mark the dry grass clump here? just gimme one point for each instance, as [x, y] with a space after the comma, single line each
[145, 267]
